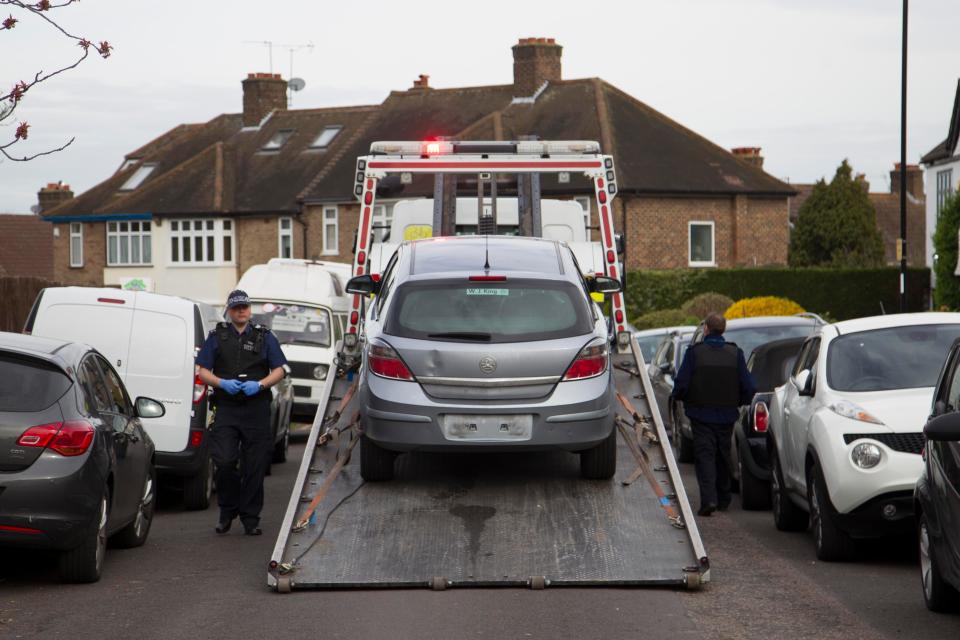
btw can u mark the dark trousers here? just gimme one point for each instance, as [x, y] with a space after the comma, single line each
[241, 447]
[711, 460]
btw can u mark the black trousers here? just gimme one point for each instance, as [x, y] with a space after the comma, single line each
[241, 446]
[711, 460]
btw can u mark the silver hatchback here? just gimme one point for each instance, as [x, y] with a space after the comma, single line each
[485, 344]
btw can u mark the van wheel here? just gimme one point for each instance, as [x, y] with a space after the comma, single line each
[84, 563]
[786, 515]
[600, 462]
[197, 489]
[135, 533]
[937, 594]
[830, 541]
[280, 449]
[376, 463]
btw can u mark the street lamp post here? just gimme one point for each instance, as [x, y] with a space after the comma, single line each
[902, 249]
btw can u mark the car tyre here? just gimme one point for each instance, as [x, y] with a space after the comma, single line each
[135, 533]
[600, 462]
[84, 563]
[754, 492]
[198, 489]
[938, 595]
[280, 449]
[682, 445]
[786, 515]
[376, 463]
[831, 543]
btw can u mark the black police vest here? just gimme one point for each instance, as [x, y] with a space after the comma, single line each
[716, 379]
[240, 357]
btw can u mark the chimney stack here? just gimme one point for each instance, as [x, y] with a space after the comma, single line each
[914, 180]
[750, 155]
[262, 93]
[422, 83]
[51, 195]
[535, 61]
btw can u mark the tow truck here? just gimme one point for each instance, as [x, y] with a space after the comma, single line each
[518, 520]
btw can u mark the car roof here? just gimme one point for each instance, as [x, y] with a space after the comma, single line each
[61, 352]
[471, 254]
[770, 321]
[659, 331]
[895, 320]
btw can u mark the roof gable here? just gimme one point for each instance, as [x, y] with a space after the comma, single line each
[948, 147]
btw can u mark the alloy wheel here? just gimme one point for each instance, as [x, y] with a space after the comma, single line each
[816, 516]
[775, 487]
[146, 502]
[101, 534]
[926, 564]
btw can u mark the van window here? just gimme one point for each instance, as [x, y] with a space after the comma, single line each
[293, 323]
[158, 345]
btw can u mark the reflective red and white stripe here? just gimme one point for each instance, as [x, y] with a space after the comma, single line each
[363, 246]
[610, 266]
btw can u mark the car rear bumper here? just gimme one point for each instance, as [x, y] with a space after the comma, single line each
[400, 416]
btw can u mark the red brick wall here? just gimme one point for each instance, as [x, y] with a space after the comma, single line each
[258, 240]
[94, 255]
[347, 217]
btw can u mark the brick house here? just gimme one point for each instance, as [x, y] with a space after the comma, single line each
[942, 174]
[194, 208]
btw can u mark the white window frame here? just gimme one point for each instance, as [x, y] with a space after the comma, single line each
[76, 231]
[217, 231]
[584, 202]
[277, 140]
[335, 223]
[335, 129]
[382, 215]
[944, 187]
[713, 241]
[138, 177]
[135, 232]
[284, 233]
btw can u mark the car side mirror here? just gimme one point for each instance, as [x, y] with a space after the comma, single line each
[803, 381]
[603, 284]
[363, 285]
[945, 428]
[149, 408]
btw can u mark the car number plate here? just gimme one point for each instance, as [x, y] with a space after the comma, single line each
[488, 428]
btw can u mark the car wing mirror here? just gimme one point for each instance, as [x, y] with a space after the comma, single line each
[150, 408]
[363, 285]
[603, 284]
[945, 428]
[803, 381]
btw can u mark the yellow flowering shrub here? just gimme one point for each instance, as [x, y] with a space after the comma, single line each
[762, 306]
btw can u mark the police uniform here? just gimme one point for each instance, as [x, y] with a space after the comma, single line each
[713, 382]
[241, 443]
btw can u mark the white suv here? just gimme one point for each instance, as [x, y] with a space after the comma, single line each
[846, 430]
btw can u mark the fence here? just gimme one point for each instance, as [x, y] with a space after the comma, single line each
[16, 298]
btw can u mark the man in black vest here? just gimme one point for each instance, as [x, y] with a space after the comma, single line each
[713, 381]
[241, 361]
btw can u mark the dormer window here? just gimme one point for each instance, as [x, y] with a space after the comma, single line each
[129, 162]
[326, 137]
[277, 140]
[141, 174]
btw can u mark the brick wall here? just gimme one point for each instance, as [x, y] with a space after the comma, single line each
[94, 255]
[348, 216]
[258, 240]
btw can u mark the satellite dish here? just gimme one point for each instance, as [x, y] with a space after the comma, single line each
[296, 84]
[35, 209]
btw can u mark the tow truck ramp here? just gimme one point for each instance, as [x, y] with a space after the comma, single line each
[490, 520]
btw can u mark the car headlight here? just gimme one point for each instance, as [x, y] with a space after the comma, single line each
[853, 411]
[865, 455]
[320, 372]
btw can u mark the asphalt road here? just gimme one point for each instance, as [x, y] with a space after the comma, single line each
[187, 582]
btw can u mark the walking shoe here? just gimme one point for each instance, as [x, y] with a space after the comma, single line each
[253, 531]
[706, 510]
[223, 526]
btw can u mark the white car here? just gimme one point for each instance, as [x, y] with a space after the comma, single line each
[846, 430]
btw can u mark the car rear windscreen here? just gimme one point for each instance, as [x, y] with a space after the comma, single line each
[749, 338]
[495, 312]
[29, 384]
[896, 358]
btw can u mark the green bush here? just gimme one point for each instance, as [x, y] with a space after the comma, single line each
[947, 293]
[705, 303]
[841, 293]
[664, 318]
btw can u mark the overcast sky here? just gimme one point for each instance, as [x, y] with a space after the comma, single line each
[809, 81]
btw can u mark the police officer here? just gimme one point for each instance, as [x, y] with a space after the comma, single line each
[713, 381]
[241, 361]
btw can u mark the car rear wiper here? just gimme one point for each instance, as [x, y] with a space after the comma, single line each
[462, 335]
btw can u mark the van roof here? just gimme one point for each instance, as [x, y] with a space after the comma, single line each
[111, 295]
[305, 281]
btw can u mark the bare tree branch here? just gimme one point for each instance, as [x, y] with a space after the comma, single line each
[3, 150]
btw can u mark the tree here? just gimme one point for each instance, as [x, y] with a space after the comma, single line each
[9, 102]
[837, 226]
[945, 239]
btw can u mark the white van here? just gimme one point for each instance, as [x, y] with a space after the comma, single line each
[152, 341]
[304, 304]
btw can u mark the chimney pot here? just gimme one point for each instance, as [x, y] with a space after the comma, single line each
[535, 61]
[914, 180]
[262, 93]
[750, 155]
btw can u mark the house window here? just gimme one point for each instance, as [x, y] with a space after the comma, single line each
[128, 243]
[584, 202]
[326, 137]
[330, 231]
[382, 217]
[702, 244]
[76, 244]
[944, 187]
[141, 174]
[277, 140]
[207, 242]
[127, 163]
[286, 237]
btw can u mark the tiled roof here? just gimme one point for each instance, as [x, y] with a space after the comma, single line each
[948, 147]
[26, 246]
[220, 167]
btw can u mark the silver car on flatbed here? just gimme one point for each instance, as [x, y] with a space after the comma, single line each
[485, 343]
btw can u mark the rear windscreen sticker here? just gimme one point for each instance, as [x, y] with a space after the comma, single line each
[488, 292]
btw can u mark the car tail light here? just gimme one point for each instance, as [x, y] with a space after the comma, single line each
[66, 438]
[761, 417]
[199, 389]
[385, 362]
[196, 438]
[590, 362]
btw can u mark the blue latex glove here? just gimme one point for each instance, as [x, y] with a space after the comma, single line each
[231, 386]
[250, 387]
